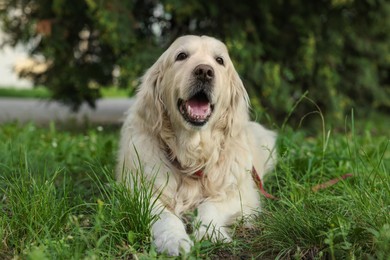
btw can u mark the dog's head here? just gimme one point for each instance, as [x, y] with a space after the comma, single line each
[195, 84]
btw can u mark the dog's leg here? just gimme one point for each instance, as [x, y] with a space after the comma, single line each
[212, 221]
[169, 235]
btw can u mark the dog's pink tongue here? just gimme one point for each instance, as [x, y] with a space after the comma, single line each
[198, 109]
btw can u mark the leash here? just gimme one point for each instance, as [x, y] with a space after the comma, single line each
[331, 182]
[315, 188]
[259, 183]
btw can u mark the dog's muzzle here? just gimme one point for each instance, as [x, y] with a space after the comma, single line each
[198, 108]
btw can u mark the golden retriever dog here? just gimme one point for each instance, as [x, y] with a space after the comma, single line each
[189, 131]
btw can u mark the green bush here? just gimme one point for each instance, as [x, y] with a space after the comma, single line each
[336, 50]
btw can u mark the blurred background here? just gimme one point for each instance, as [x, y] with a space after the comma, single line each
[294, 57]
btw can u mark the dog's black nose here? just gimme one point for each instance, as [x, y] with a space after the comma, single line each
[204, 72]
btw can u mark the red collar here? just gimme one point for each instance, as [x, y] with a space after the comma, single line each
[177, 164]
[200, 173]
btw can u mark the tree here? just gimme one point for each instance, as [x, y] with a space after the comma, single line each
[337, 50]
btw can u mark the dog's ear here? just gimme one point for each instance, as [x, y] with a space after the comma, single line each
[237, 113]
[149, 104]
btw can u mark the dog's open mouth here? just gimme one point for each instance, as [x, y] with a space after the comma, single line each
[197, 109]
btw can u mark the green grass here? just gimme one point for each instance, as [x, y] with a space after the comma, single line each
[38, 92]
[114, 92]
[58, 199]
[42, 92]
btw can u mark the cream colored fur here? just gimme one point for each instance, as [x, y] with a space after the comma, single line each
[225, 148]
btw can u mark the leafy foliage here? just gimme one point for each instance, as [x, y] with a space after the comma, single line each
[337, 50]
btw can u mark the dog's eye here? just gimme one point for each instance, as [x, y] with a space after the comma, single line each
[220, 60]
[181, 56]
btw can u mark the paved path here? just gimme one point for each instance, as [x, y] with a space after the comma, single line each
[108, 111]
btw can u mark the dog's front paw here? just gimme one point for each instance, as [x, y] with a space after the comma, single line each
[169, 235]
[172, 242]
[213, 233]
